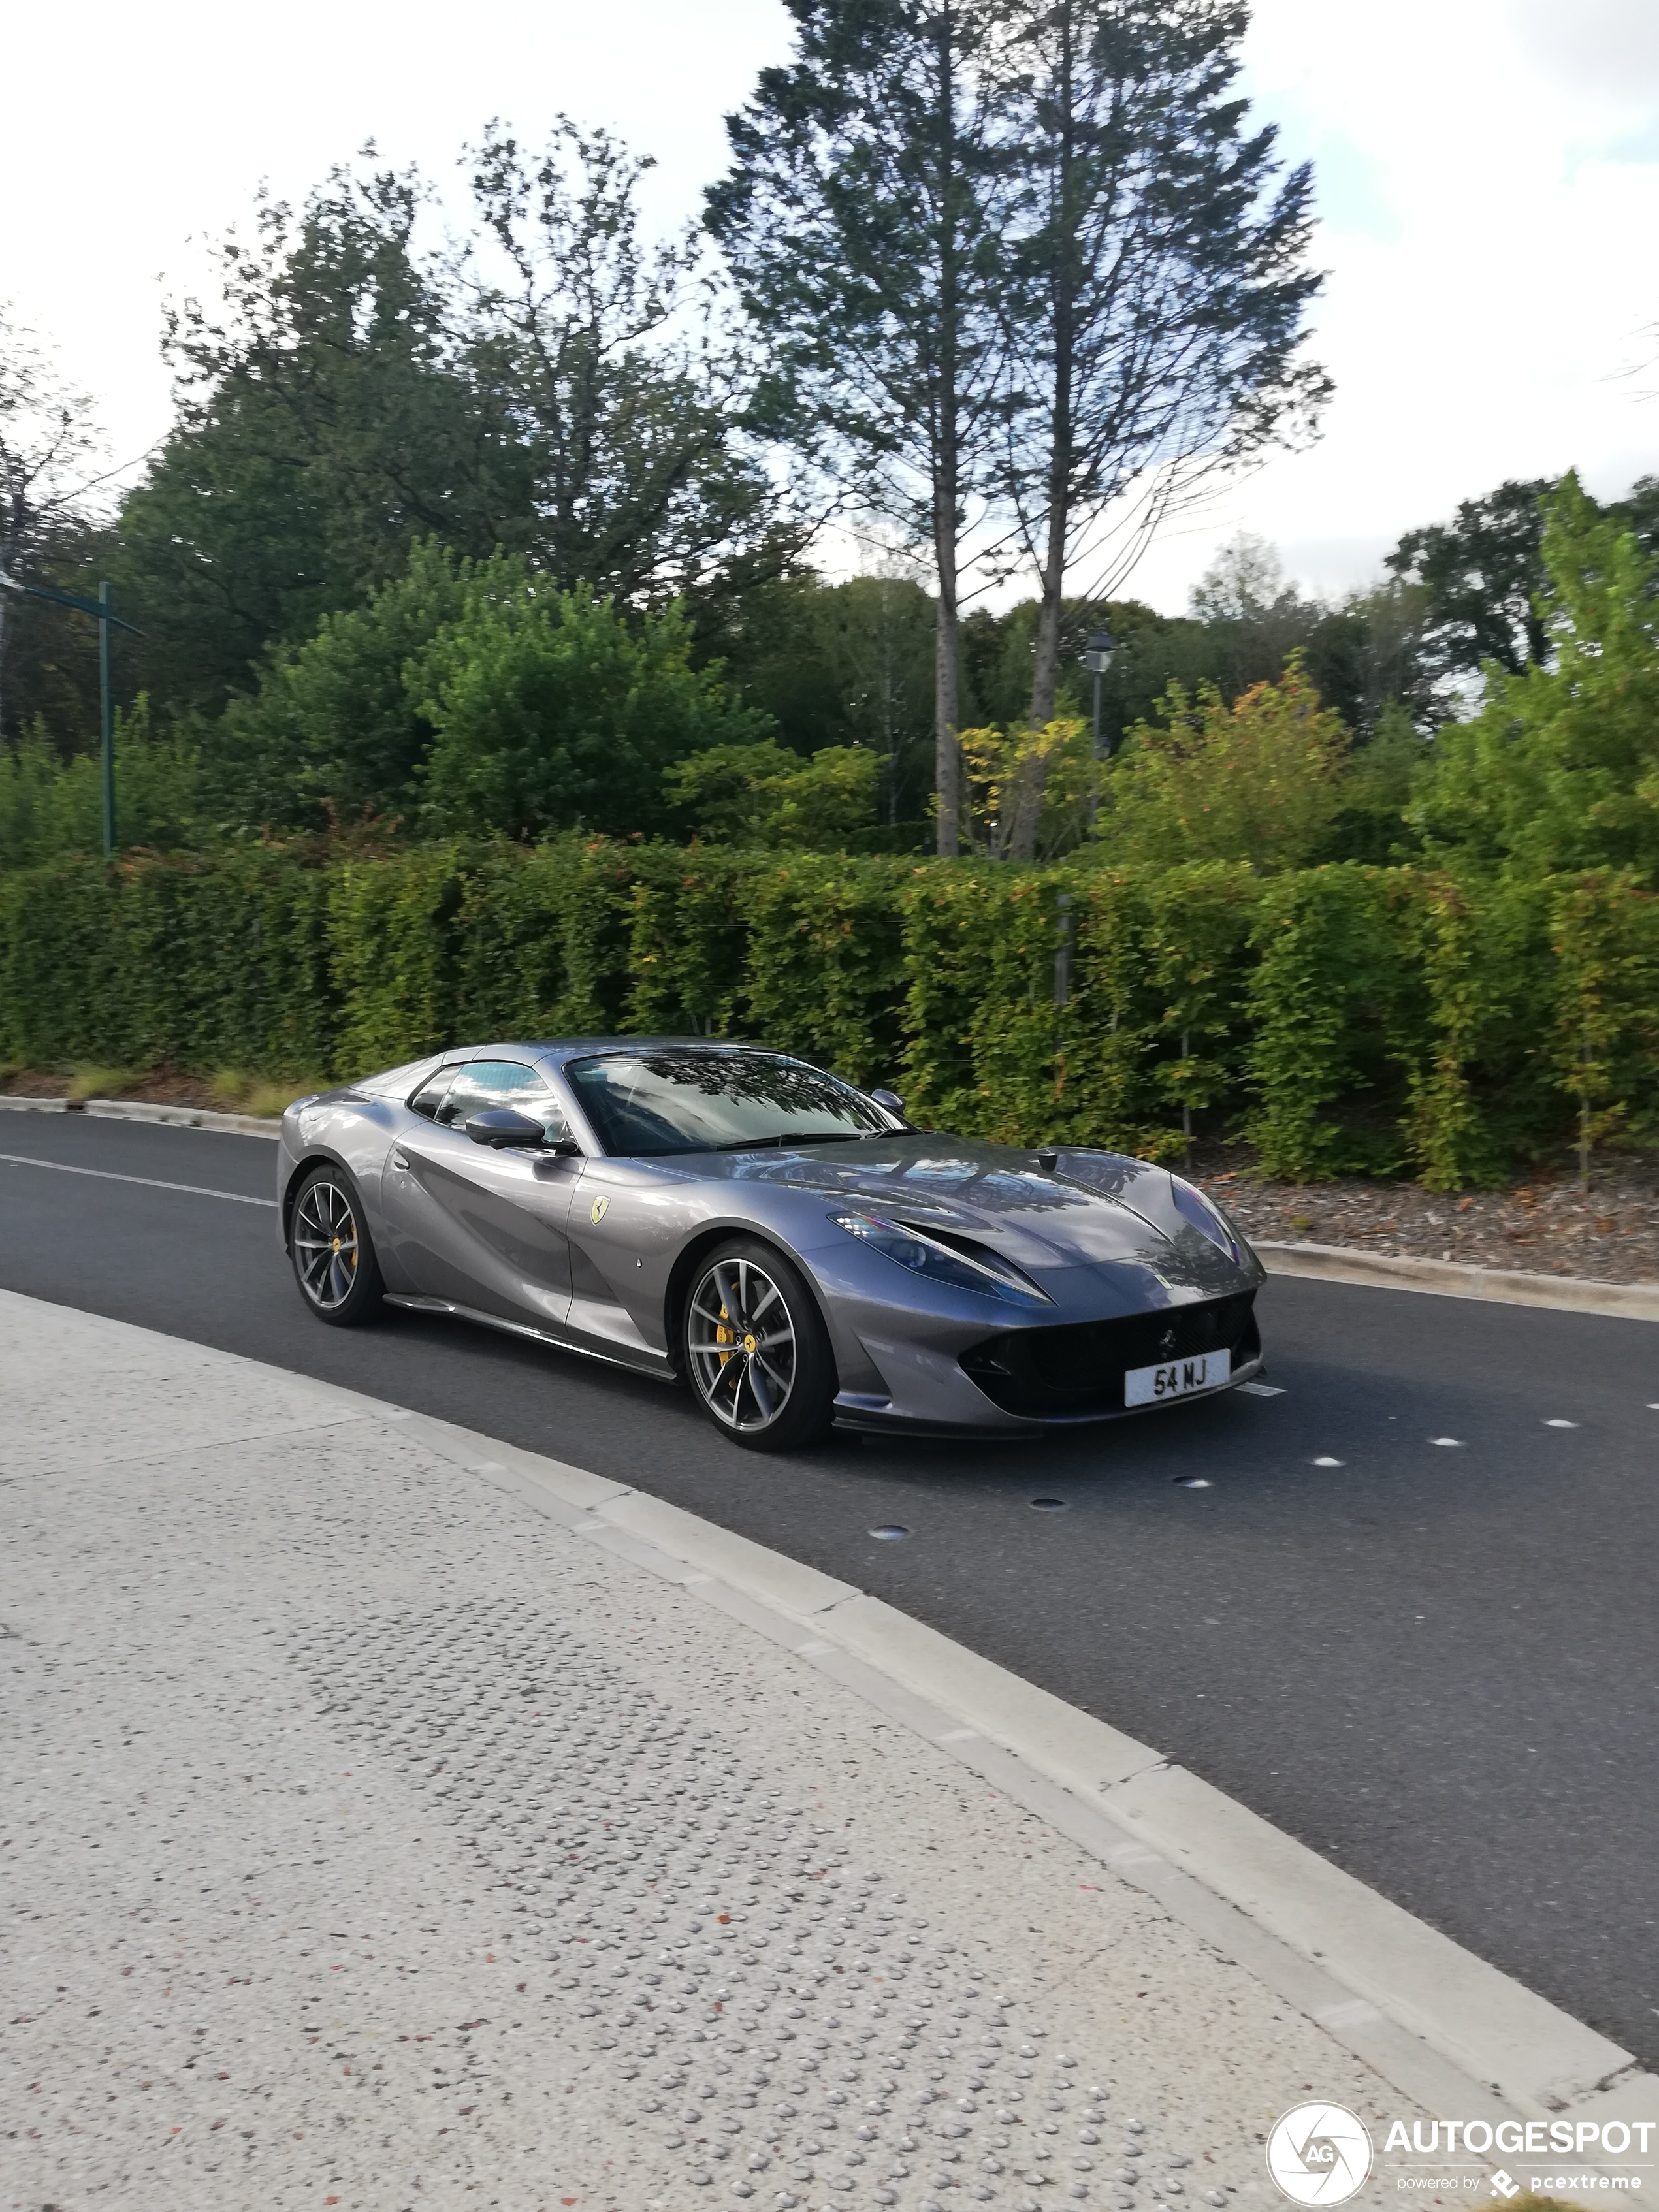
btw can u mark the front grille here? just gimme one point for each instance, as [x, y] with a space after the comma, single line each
[1078, 1368]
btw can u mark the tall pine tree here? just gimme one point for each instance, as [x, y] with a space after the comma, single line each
[862, 219]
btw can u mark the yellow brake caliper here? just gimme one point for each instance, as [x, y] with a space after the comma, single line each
[724, 1335]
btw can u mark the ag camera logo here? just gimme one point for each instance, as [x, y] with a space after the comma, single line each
[1319, 2154]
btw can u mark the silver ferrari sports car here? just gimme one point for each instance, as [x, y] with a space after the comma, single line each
[785, 1244]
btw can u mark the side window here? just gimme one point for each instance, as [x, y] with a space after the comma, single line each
[484, 1083]
[427, 1099]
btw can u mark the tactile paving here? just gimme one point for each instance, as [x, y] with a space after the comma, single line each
[792, 2028]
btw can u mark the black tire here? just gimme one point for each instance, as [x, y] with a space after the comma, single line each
[329, 1244]
[754, 1348]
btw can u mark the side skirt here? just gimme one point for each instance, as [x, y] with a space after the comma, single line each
[658, 1370]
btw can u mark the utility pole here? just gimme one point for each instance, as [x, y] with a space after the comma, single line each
[104, 615]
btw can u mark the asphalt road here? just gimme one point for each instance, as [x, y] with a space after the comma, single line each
[1436, 1662]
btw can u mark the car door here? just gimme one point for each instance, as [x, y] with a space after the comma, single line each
[474, 1226]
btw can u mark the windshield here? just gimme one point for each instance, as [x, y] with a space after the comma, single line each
[701, 1101]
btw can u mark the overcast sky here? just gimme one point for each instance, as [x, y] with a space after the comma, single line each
[1488, 184]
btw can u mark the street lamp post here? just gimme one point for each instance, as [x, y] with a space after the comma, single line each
[104, 615]
[1098, 659]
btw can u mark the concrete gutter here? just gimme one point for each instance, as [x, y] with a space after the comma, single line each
[1449, 1278]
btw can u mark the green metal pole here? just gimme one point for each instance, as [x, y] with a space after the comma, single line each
[106, 721]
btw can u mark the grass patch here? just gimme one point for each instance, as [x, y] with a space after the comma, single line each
[88, 1081]
[234, 1091]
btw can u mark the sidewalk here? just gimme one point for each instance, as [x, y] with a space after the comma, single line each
[373, 1840]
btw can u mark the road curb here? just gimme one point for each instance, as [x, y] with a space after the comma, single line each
[1451, 1278]
[181, 1117]
[235, 1125]
[1445, 2027]
[139, 1109]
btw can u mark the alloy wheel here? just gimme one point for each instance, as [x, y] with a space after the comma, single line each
[741, 1340]
[326, 1244]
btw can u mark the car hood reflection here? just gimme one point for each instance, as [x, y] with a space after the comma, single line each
[1037, 1216]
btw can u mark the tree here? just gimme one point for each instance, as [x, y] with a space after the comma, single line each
[1258, 781]
[1559, 769]
[336, 724]
[1363, 653]
[554, 385]
[47, 444]
[999, 766]
[641, 419]
[764, 794]
[324, 424]
[551, 712]
[1482, 575]
[861, 220]
[1159, 286]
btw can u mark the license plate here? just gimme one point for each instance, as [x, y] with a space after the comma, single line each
[1176, 1378]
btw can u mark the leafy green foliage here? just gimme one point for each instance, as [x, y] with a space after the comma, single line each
[1559, 770]
[761, 794]
[51, 807]
[1051, 768]
[1257, 782]
[326, 424]
[549, 711]
[336, 722]
[1321, 1005]
[836, 665]
[1481, 574]
[1343, 1016]
[1604, 935]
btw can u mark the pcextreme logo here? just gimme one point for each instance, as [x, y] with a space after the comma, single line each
[1319, 2153]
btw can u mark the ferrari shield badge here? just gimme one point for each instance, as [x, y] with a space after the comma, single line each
[600, 1206]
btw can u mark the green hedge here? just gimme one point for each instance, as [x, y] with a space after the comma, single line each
[1345, 1018]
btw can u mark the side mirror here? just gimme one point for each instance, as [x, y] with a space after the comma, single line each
[500, 1126]
[890, 1100]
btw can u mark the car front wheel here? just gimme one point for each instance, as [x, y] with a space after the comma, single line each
[755, 1348]
[328, 1242]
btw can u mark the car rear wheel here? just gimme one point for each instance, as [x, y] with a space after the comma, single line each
[328, 1242]
[755, 1348]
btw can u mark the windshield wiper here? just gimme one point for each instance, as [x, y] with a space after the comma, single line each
[798, 1137]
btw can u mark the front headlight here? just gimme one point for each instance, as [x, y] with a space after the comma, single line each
[1194, 1206]
[965, 1269]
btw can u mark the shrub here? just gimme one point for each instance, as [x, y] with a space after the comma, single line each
[1345, 1017]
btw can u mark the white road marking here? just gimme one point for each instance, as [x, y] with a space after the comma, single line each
[1446, 1440]
[1261, 1389]
[1327, 1462]
[150, 1183]
[1560, 1424]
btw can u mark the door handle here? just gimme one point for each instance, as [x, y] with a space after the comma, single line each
[398, 1160]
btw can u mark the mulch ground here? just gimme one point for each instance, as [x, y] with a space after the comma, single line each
[1546, 1226]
